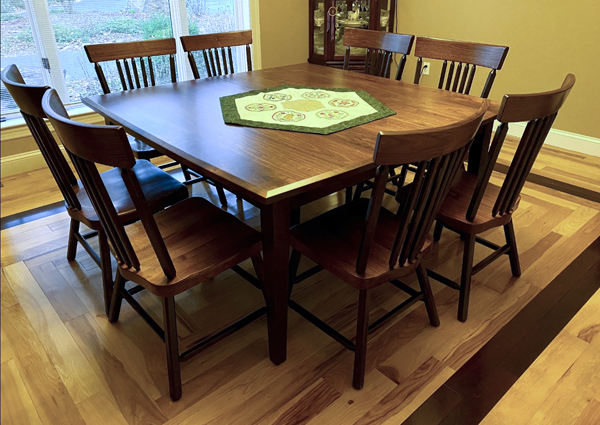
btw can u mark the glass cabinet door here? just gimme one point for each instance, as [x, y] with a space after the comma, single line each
[329, 20]
[318, 24]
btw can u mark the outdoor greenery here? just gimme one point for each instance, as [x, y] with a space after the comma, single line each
[153, 27]
[8, 17]
[67, 34]
[75, 27]
[120, 25]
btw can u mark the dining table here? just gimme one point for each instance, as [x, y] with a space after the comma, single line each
[278, 171]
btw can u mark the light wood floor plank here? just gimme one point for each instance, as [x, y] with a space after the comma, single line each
[352, 404]
[591, 414]
[418, 397]
[562, 386]
[49, 394]
[572, 392]
[8, 298]
[131, 398]
[100, 409]
[536, 384]
[71, 364]
[59, 293]
[17, 406]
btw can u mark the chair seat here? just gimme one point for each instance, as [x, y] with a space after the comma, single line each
[160, 189]
[141, 150]
[454, 209]
[203, 241]
[333, 240]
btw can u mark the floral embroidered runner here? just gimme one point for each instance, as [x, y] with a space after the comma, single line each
[304, 109]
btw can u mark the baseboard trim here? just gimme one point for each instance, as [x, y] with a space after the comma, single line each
[33, 160]
[563, 139]
[22, 163]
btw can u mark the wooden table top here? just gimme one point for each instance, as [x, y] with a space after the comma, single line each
[184, 120]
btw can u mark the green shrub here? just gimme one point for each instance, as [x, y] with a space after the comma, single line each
[25, 35]
[67, 34]
[119, 25]
[8, 17]
[158, 26]
[193, 26]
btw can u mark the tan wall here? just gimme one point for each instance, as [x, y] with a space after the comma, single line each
[283, 32]
[547, 40]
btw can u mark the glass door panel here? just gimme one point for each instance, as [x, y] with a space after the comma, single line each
[18, 47]
[76, 24]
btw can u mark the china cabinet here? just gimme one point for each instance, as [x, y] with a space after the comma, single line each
[329, 18]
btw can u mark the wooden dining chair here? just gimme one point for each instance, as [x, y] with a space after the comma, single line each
[475, 205]
[381, 47]
[366, 245]
[211, 45]
[165, 253]
[139, 64]
[463, 58]
[161, 189]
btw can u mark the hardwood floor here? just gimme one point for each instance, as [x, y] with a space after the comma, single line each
[566, 376]
[63, 363]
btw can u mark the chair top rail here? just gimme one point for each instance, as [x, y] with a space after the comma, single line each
[134, 49]
[404, 147]
[527, 107]
[27, 97]
[487, 55]
[370, 39]
[192, 43]
[104, 144]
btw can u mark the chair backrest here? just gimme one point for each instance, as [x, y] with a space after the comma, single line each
[211, 44]
[459, 54]
[437, 154]
[540, 110]
[134, 71]
[108, 145]
[381, 47]
[29, 100]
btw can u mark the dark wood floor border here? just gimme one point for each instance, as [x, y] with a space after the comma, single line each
[571, 189]
[31, 215]
[468, 396]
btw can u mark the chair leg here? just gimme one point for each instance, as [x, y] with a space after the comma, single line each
[348, 194]
[465, 277]
[294, 263]
[186, 172]
[295, 215]
[359, 190]
[106, 266]
[437, 231]
[432, 313]
[362, 329]
[72, 246]
[513, 254]
[117, 298]
[257, 263]
[221, 194]
[172, 346]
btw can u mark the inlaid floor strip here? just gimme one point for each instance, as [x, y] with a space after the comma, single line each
[571, 189]
[480, 383]
[31, 215]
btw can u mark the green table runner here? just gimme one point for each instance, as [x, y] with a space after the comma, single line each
[304, 109]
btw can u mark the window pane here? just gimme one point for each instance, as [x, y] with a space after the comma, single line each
[77, 23]
[208, 17]
[18, 48]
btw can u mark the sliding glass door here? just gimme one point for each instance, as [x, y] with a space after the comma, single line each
[45, 38]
